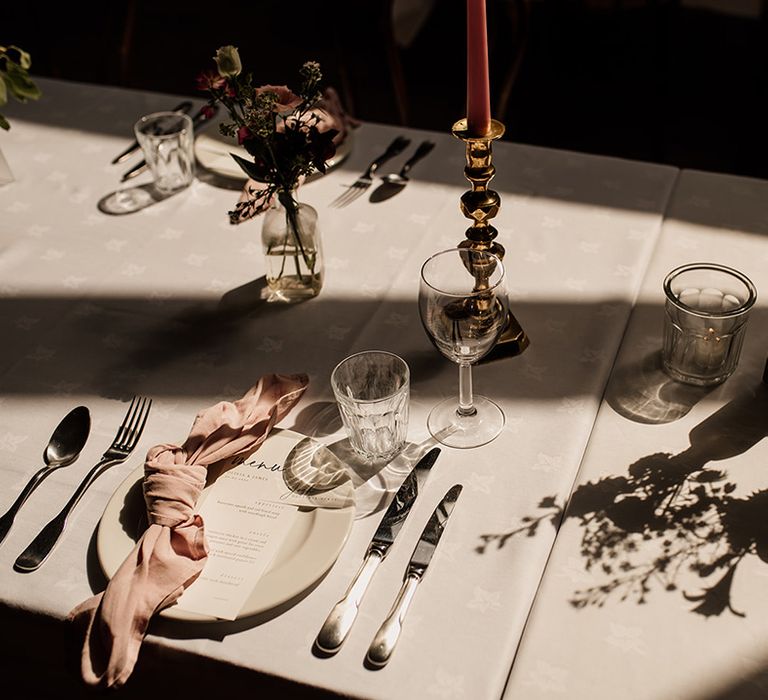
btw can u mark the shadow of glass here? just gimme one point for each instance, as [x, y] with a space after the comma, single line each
[642, 392]
[375, 480]
[312, 472]
[129, 200]
[671, 520]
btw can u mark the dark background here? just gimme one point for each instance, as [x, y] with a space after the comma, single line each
[653, 80]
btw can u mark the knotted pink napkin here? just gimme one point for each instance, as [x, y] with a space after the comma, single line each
[171, 553]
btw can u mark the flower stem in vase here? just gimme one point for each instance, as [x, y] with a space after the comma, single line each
[294, 226]
[290, 231]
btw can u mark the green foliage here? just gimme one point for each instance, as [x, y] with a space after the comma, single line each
[14, 78]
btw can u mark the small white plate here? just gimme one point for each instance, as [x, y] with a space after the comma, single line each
[310, 549]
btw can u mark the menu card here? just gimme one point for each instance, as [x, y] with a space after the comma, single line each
[248, 513]
[243, 537]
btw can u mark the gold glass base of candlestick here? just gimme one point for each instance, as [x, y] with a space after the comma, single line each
[481, 204]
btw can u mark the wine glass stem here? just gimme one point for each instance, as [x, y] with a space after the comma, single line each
[466, 405]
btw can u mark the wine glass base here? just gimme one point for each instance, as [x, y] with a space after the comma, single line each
[453, 430]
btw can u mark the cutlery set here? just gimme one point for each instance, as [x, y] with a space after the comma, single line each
[391, 183]
[64, 448]
[70, 436]
[339, 622]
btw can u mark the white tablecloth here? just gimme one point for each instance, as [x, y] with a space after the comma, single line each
[632, 606]
[96, 308]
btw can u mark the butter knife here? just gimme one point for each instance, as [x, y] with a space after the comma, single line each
[341, 618]
[197, 122]
[181, 107]
[384, 641]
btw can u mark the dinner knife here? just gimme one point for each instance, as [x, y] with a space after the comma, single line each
[384, 641]
[198, 120]
[339, 622]
[183, 107]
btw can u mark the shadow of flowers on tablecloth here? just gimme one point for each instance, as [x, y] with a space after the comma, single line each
[673, 522]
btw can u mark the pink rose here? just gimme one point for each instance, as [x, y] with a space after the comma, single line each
[287, 100]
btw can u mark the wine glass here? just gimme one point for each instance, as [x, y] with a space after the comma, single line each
[463, 306]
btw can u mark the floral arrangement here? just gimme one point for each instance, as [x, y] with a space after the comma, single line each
[14, 78]
[278, 128]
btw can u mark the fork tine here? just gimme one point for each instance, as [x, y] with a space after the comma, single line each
[139, 429]
[354, 195]
[349, 195]
[135, 418]
[122, 430]
[344, 197]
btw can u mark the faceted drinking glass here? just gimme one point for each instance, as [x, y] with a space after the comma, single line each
[372, 390]
[706, 311]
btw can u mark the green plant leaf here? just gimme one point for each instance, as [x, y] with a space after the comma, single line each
[3, 91]
[20, 84]
[24, 59]
[4, 123]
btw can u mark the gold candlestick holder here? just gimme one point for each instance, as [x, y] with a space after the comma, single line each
[481, 204]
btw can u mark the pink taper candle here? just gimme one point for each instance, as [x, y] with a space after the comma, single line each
[478, 89]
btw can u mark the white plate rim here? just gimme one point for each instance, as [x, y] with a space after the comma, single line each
[328, 532]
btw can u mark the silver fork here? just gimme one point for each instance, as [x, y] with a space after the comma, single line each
[366, 179]
[125, 441]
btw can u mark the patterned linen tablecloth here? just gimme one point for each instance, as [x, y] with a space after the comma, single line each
[95, 308]
[666, 602]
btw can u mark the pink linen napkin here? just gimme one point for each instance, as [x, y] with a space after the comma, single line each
[172, 552]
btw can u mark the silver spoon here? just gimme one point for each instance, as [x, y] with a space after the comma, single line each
[63, 448]
[393, 183]
[401, 178]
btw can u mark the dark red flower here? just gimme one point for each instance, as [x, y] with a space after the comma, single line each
[210, 80]
[243, 134]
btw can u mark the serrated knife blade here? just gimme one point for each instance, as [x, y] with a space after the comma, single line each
[341, 618]
[384, 641]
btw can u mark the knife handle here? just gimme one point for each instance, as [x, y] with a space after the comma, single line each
[6, 521]
[423, 150]
[340, 620]
[383, 643]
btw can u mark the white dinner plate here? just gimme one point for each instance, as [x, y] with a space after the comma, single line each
[310, 549]
[214, 152]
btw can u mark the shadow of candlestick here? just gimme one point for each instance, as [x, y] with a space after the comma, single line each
[672, 521]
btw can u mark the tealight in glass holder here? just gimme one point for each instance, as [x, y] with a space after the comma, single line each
[707, 307]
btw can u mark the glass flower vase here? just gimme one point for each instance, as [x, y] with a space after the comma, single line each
[291, 240]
